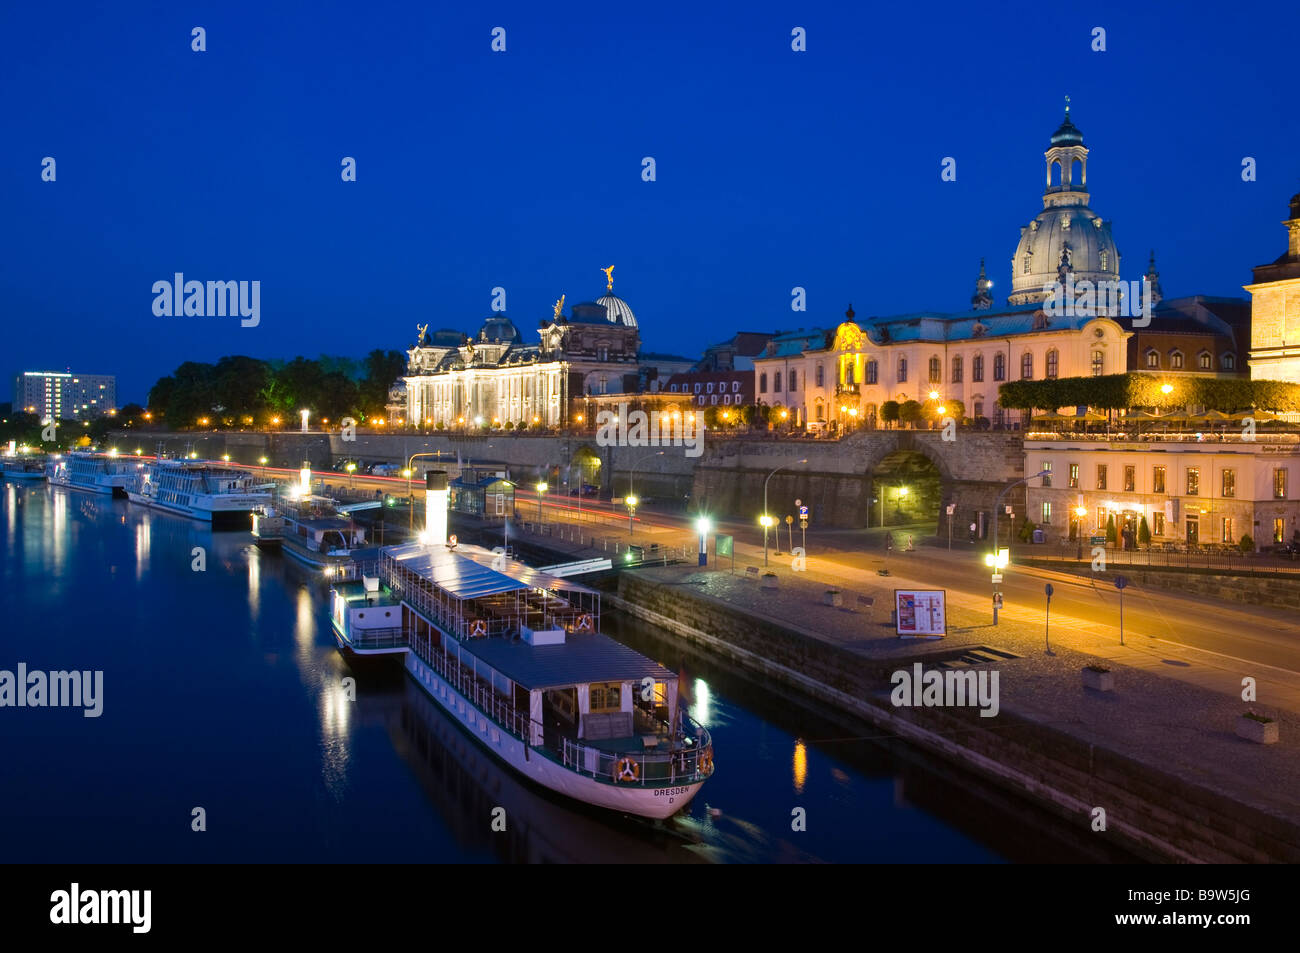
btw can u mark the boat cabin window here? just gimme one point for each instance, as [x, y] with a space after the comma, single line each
[605, 697]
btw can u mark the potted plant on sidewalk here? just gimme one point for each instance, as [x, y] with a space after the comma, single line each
[1258, 728]
[832, 597]
[1098, 678]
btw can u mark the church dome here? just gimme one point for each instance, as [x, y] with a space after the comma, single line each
[1067, 235]
[499, 329]
[617, 310]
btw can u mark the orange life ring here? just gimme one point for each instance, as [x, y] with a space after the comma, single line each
[704, 764]
[584, 622]
[626, 770]
[478, 629]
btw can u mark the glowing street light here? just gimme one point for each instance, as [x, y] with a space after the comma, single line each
[703, 526]
[934, 395]
[351, 468]
[631, 502]
[1166, 388]
[541, 489]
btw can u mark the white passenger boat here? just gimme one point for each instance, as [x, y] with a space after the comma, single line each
[22, 466]
[96, 472]
[314, 530]
[222, 495]
[516, 657]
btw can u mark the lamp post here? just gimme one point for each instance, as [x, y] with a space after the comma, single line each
[352, 469]
[541, 488]
[995, 560]
[632, 474]
[766, 519]
[702, 526]
[631, 502]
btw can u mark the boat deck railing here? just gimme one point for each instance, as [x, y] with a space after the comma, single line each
[482, 694]
[672, 765]
[387, 638]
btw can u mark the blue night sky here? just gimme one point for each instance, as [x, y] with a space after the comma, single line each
[523, 169]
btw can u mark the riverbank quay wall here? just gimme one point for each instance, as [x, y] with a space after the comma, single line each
[1158, 757]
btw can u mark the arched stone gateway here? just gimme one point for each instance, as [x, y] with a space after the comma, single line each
[841, 480]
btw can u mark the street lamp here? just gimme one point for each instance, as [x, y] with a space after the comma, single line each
[1001, 557]
[351, 468]
[631, 502]
[767, 520]
[541, 488]
[703, 525]
[632, 473]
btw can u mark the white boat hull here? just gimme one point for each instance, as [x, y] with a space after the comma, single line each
[648, 801]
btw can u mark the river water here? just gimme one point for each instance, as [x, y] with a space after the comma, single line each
[223, 691]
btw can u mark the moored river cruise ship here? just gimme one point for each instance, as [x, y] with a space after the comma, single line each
[97, 472]
[224, 496]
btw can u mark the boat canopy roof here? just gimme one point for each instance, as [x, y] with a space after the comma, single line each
[579, 660]
[466, 572]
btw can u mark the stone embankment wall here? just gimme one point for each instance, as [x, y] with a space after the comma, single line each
[1157, 815]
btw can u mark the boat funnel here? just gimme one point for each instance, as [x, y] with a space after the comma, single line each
[435, 508]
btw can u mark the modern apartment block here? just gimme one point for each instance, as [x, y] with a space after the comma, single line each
[63, 395]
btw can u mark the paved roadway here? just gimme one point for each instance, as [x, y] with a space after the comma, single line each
[1178, 626]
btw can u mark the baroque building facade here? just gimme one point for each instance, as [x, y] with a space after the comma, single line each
[496, 378]
[1275, 309]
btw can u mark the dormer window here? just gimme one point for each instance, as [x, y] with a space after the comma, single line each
[1204, 361]
[1176, 360]
[1228, 362]
[1153, 358]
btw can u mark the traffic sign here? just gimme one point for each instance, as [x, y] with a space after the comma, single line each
[1121, 582]
[789, 520]
[1097, 540]
[997, 578]
[1049, 590]
[803, 524]
[803, 512]
[951, 508]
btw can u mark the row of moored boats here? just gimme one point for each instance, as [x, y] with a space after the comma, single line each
[513, 654]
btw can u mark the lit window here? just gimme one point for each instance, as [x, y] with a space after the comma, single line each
[1193, 481]
[1074, 476]
[1153, 359]
[1098, 362]
[1279, 484]
[1229, 483]
[1176, 360]
[1101, 476]
[1157, 479]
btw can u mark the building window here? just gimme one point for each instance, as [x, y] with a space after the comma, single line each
[1278, 529]
[979, 409]
[1026, 366]
[714, 400]
[1157, 479]
[793, 381]
[1228, 362]
[1176, 360]
[956, 370]
[1229, 483]
[697, 388]
[1025, 267]
[1130, 478]
[1053, 363]
[1203, 360]
[762, 383]
[1101, 476]
[871, 371]
[999, 367]
[776, 383]
[902, 370]
[1157, 523]
[977, 368]
[821, 376]
[735, 387]
[700, 401]
[1153, 358]
[1047, 478]
[726, 398]
[1193, 481]
[1047, 512]
[1104, 259]
[1227, 529]
[708, 388]
[1074, 476]
[1098, 363]
[1279, 484]
[936, 370]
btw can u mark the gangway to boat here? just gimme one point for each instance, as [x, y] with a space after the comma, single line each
[578, 568]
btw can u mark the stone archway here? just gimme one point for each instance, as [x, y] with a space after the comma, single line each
[906, 488]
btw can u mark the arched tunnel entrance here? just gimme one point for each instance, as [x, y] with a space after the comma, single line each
[906, 489]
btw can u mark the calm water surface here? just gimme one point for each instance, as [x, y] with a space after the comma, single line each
[223, 690]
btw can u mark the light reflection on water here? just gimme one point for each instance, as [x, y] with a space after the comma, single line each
[223, 688]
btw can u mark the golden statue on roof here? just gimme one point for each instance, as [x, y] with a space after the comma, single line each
[559, 306]
[609, 277]
[422, 328]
